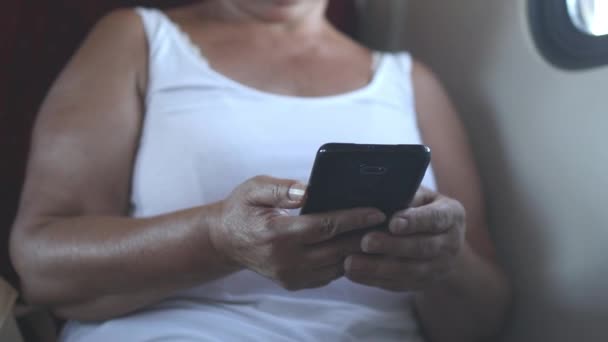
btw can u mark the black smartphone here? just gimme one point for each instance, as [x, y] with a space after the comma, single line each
[346, 176]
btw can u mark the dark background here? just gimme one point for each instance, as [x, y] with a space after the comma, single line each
[37, 37]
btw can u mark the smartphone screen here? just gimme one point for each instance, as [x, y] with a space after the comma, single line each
[385, 177]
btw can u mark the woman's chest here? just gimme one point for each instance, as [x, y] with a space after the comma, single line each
[198, 153]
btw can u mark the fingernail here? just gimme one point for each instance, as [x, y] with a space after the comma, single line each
[297, 192]
[399, 225]
[348, 263]
[375, 218]
[369, 245]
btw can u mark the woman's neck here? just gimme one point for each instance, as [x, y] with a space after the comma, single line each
[288, 16]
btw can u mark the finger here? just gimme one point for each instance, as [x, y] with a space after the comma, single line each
[435, 218]
[326, 275]
[272, 192]
[317, 228]
[315, 279]
[415, 247]
[384, 284]
[334, 251]
[389, 273]
[366, 270]
[423, 197]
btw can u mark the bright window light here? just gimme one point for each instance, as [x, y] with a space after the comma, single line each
[589, 16]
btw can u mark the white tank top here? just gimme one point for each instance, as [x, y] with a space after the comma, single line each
[204, 134]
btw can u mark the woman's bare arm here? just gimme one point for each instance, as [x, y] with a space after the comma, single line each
[73, 244]
[471, 305]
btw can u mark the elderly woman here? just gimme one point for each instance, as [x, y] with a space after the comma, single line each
[145, 215]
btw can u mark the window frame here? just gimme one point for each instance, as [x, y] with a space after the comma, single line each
[560, 41]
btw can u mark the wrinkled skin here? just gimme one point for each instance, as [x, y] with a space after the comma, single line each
[420, 248]
[297, 252]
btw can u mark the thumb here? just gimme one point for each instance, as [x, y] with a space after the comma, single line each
[423, 197]
[273, 192]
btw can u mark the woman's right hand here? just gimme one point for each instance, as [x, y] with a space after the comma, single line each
[256, 231]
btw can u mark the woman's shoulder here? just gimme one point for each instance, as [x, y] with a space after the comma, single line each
[425, 80]
[421, 74]
[116, 42]
[120, 30]
[123, 20]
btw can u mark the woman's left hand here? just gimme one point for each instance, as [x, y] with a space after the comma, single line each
[421, 247]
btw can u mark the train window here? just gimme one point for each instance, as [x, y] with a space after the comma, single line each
[571, 34]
